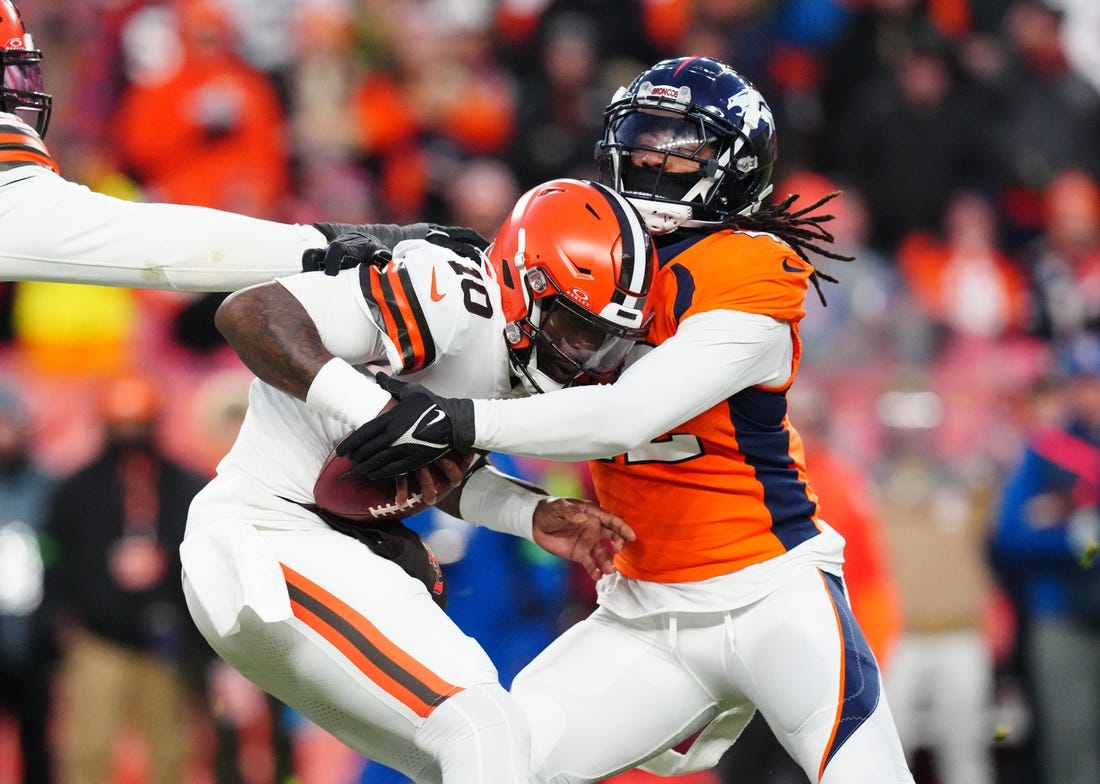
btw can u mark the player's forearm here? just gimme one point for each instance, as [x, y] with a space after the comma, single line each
[55, 230]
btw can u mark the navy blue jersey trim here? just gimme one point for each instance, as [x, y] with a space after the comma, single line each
[757, 417]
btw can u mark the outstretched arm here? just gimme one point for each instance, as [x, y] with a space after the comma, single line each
[570, 528]
[712, 356]
[56, 230]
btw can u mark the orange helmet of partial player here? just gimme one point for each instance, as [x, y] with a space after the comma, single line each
[575, 265]
[22, 91]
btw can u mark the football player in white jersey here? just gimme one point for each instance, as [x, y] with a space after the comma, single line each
[55, 230]
[342, 621]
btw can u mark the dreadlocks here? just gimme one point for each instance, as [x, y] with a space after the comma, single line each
[799, 229]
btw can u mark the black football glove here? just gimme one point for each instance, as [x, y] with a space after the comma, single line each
[346, 251]
[421, 428]
[460, 240]
[389, 234]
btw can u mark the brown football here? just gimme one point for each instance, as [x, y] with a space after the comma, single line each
[343, 492]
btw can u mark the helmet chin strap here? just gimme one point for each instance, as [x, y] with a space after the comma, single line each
[532, 379]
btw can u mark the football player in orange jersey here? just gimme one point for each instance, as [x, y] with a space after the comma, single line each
[732, 598]
[52, 229]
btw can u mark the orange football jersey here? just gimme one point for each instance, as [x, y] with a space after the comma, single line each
[728, 488]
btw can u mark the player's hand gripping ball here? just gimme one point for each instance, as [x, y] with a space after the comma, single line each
[341, 491]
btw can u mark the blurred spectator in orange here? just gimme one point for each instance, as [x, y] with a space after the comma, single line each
[207, 129]
[462, 92]
[117, 525]
[328, 180]
[434, 96]
[936, 517]
[1064, 260]
[324, 44]
[962, 280]
[27, 643]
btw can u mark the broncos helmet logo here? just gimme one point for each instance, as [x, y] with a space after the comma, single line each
[750, 106]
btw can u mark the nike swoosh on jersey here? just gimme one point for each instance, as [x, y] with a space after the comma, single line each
[791, 267]
[434, 294]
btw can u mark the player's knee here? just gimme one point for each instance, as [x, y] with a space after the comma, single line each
[478, 720]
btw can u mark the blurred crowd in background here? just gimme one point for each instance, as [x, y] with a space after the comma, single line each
[948, 391]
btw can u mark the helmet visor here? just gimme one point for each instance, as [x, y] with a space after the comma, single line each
[576, 347]
[23, 77]
[23, 92]
[662, 156]
[664, 134]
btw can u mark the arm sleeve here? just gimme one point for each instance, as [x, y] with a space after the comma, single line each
[58, 231]
[711, 356]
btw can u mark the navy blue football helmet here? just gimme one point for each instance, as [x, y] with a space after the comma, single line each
[690, 142]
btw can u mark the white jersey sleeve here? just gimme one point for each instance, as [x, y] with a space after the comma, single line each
[55, 230]
[425, 303]
[335, 305]
[711, 356]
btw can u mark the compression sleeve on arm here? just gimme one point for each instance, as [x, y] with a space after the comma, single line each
[342, 392]
[497, 501]
[711, 356]
[68, 233]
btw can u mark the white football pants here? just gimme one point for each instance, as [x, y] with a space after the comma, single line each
[611, 693]
[362, 651]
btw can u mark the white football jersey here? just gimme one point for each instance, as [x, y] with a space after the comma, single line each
[430, 316]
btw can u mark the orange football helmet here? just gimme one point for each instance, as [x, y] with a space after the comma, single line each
[22, 90]
[575, 266]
